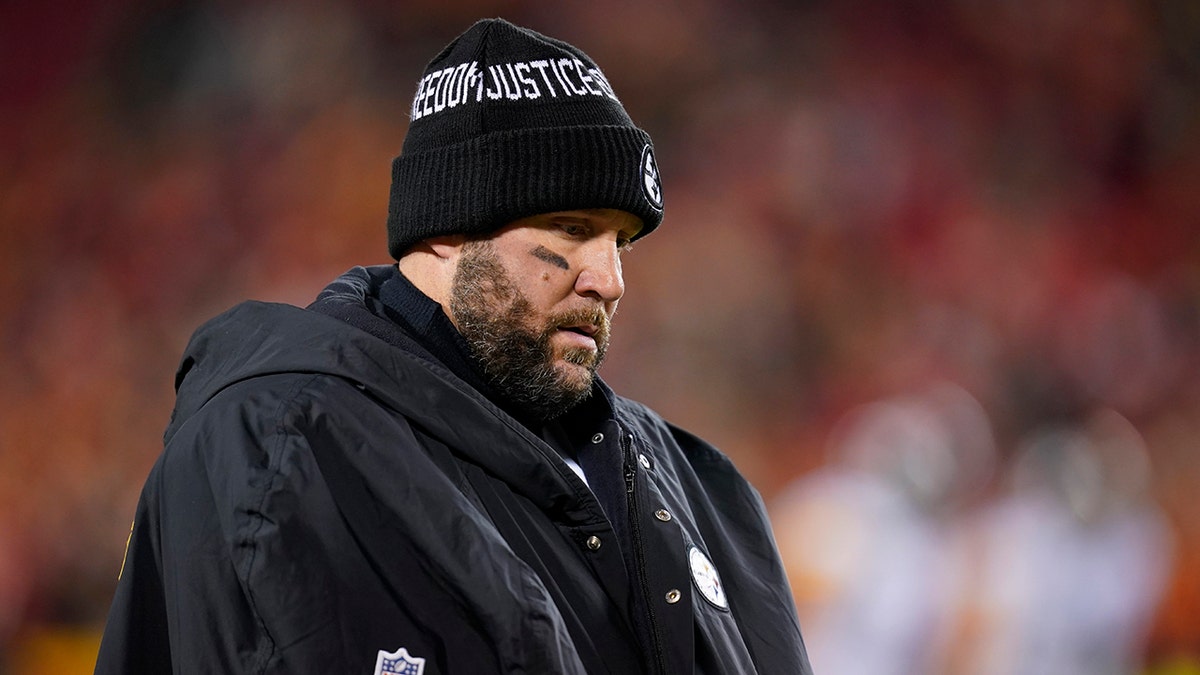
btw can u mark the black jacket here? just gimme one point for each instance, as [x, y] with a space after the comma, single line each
[325, 496]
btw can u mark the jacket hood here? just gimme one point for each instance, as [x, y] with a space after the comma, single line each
[255, 339]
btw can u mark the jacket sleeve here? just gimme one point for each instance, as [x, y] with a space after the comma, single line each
[243, 560]
[135, 637]
[179, 606]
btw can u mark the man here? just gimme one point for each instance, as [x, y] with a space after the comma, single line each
[421, 472]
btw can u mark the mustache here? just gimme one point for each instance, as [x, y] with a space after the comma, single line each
[591, 316]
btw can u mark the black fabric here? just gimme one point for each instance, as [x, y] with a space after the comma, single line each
[424, 319]
[325, 495]
[604, 464]
[508, 123]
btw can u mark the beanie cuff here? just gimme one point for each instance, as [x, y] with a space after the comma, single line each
[481, 184]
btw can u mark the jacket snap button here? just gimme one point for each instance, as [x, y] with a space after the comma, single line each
[663, 515]
[597, 438]
[645, 462]
[673, 596]
[593, 542]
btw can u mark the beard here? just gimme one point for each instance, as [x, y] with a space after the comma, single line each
[502, 332]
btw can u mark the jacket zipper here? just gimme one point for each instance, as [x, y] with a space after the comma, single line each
[635, 533]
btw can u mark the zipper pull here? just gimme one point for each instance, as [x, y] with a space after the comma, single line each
[628, 460]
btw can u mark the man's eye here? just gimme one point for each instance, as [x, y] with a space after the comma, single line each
[573, 229]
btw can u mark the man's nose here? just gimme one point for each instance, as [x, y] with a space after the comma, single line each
[600, 276]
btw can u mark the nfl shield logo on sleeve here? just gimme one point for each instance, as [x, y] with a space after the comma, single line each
[398, 662]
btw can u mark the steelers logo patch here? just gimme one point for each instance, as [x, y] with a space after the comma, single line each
[706, 578]
[651, 185]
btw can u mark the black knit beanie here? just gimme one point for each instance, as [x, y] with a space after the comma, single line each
[509, 123]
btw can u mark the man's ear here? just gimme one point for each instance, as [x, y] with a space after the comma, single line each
[430, 265]
[447, 247]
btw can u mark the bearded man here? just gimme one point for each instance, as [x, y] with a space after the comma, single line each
[421, 471]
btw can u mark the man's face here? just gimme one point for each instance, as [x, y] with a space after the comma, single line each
[535, 299]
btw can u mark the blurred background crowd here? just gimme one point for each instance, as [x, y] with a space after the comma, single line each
[929, 273]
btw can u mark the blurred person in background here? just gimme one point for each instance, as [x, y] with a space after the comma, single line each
[1073, 561]
[421, 471]
[868, 539]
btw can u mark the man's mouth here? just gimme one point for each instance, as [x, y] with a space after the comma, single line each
[582, 329]
[588, 336]
[588, 329]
